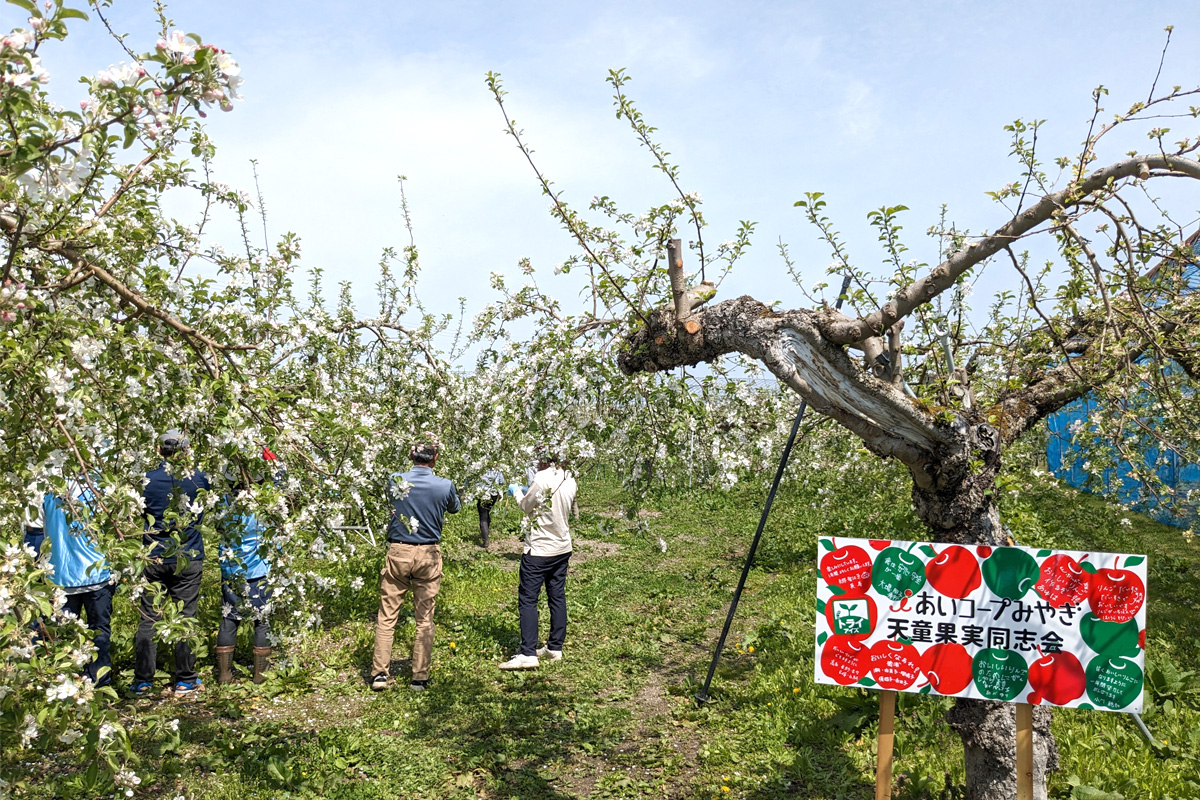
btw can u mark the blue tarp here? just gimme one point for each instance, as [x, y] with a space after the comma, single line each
[1180, 475]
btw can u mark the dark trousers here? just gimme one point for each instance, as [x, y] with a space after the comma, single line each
[97, 605]
[552, 571]
[484, 507]
[33, 538]
[244, 597]
[182, 587]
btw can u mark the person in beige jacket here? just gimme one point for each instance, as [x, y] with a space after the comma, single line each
[547, 555]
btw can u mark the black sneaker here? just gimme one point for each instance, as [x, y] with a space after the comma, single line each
[380, 682]
[419, 686]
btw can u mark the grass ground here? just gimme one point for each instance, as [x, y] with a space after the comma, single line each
[616, 718]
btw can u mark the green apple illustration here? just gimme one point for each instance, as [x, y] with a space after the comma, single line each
[1113, 682]
[1010, 572]
[1110, 638]
[898, 573]
[999, 674]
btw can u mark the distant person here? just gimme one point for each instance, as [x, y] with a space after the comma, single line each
[491, 488]
[245, 590]
[82, 571]
[175, 567]
[545, 560]
[33, 529]
[419, 500]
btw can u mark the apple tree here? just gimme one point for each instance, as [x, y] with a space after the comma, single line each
[1095, 300]
[119, 321]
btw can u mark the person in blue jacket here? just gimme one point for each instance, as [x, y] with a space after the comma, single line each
[176, 553]
[82, 571]
[244, 585]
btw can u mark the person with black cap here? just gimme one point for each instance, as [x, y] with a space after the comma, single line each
[547, 555]
[176, 553]
[419, 500]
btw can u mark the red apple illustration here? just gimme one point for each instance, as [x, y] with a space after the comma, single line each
[954, 573]
[1056, 678]
[983, 550]
[851, 616]
[844, 659]
[948, 667]
[848, 568]
[894, 665]
[1116, 595]
[1063, 581]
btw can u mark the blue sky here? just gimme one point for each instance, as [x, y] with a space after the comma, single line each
[872, 103]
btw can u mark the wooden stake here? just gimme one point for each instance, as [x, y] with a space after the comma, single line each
[887, 726]
[1024, 751]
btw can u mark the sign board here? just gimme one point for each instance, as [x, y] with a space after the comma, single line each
[1014, 624]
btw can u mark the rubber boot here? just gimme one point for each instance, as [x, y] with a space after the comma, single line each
[262, 662]
[225, 664]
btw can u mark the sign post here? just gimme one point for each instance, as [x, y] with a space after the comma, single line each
[883, 768]
[1024, 751]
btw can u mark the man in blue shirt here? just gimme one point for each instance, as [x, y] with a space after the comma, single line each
[170, 491]
[420, 500]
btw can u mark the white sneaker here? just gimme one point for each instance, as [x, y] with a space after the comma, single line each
[550, 655]
[520, 662]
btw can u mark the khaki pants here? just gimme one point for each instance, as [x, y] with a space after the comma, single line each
[415, 567]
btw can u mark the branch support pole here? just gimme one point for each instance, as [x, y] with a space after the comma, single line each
[702, 697]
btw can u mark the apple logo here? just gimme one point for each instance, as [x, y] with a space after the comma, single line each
[898, 573]
[1010, 572]
[954, 572]
[894, 665]
[1056, 678]
[1063, 581]
[1113, 682]
[1116, 595]
[848, 568]
[948, 667]
[999, 674]
[844, 659]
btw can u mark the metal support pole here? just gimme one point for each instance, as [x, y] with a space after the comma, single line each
[702, 697]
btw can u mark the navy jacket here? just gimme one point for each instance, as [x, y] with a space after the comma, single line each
[160, 491]
[420, 500]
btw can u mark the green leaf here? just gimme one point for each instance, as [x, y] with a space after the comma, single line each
[926, 689]
[70, 13]
[837, 590]
[130, 135]
[866, 682]
[1092, 793]
[826, 543]
[929, 551]
[820, 606]
[29, 6]
[821, 639]
[1134, 561]
[1044, 553]
[1088, 567]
